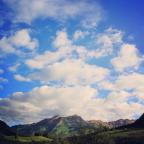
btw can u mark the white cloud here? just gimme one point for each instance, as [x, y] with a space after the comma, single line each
[61, 41]
[71, 72]
[45, 101]
[14, 68]
[107, 41]
[6, 47]
[139, 93]
[21, 78]
[130, 81]
[89, 13]
[106, 85]
[15, 43]
[128, 57]
[42, 60]
[65, 49]
[22, 39]
[133, 82]
[80, 34]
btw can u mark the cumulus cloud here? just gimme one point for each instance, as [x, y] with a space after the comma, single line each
[107, 41]
[27, 107]
[22, 39]
[89, 13]
[66, 49]
[78, 34]
[107, 85]
[71, 72]
[21, 78]
[130, 81]
[128, 57]
[14, 68]
[15, 44]
[45, 101]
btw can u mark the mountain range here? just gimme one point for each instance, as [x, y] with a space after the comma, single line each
[66, 126]
[74, 130]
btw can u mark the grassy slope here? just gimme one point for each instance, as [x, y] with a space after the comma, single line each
[132, 136]
[25, 139]
[119, 136]
[126, 133]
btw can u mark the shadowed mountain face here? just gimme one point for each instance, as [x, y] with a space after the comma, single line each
[139, 123]
[5, 129]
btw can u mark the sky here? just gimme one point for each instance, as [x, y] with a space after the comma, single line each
[70, 57]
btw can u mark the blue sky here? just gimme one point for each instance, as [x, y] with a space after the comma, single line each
[71, 57]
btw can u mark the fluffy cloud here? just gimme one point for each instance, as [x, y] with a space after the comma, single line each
[46, 101]
[15, 43]
[21, 78]
[27, 107]
[80, 34]
[28, 10]
[133, 82]
[61, 41]
[139, 93]
[128, 57]
[22, 39]
[106, 85]
[130, 81]
[65, 49]
[107, 41]
[14, 68]
[71, 72]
